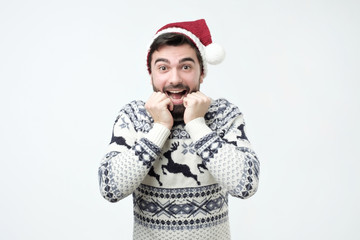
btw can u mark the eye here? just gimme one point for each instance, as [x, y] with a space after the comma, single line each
[186, 67]
[162, 68]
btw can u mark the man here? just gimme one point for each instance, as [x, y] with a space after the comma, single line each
[181, 153]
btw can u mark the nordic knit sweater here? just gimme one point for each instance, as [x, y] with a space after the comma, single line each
[179, 179]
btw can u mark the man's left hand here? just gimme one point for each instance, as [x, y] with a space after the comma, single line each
[196, 105]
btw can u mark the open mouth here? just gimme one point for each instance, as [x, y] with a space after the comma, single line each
[176, 94]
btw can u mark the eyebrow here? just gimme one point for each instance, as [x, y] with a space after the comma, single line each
[187, 59]
[181, 60]
[161, 60]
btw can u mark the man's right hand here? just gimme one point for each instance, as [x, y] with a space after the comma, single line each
[159, 107]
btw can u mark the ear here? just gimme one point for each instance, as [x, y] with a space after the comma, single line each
[151, 79]
[201, 78]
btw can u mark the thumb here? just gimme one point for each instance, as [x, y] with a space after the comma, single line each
[170, 106]
[185, 102]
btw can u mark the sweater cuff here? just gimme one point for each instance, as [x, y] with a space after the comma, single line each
[197, 128]
[158, 134]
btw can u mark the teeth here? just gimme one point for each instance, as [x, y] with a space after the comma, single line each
[176, 91]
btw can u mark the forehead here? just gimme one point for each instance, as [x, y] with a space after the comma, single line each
[174, 53]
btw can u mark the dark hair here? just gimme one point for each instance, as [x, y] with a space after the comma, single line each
[172, 39]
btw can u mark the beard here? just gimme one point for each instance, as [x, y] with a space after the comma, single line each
[179, 109]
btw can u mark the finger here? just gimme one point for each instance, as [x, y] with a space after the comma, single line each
[169, 104]
[154, 96]
[157, 100]
[191, 98]
[185, 102]
[189, 101]
[201, 97]
[158, 97]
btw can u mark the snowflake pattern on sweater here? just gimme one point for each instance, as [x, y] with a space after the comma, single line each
[179, 179]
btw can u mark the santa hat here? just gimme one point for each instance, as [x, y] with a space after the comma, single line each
[199, 33]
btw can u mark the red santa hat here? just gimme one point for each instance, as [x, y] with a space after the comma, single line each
[199, 33]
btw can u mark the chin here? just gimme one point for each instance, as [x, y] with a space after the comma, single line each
[178, 111]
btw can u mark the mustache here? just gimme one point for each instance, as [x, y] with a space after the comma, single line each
[177, 86]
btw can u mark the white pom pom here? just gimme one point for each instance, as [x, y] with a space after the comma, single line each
[214, 53]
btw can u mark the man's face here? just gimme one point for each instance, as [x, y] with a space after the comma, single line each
[175, 71]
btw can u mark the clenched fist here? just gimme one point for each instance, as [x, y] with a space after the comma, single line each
[159, 107]
[196, 105]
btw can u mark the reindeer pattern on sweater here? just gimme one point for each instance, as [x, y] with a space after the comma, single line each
[179, 179]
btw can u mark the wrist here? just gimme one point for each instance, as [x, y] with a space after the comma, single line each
[167, 125]
[197, 128]
[158, 134]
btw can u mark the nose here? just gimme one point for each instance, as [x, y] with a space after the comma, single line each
[175, 77]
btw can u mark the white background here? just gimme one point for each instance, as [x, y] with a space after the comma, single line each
[67, 67]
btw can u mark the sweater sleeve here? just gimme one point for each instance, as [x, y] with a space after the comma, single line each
[129, 156]
[226, 152]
